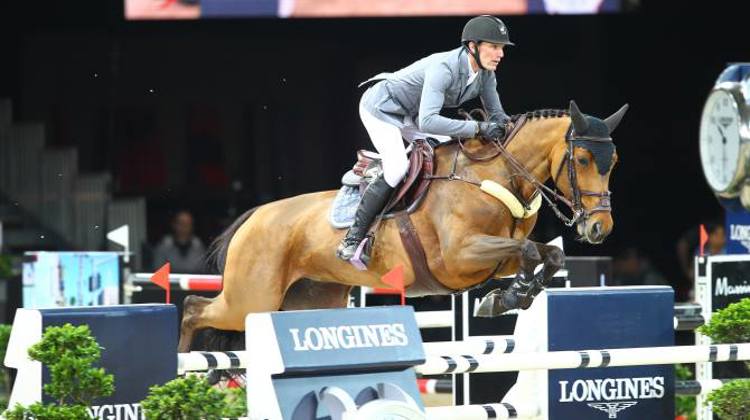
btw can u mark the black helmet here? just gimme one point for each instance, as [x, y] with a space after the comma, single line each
[485, 28]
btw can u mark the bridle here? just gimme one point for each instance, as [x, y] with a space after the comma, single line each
[604, 202]
[548, 194]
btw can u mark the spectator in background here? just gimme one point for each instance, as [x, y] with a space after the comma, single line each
[182, 249]
[632, 268]
[717, 240]
[687, 242]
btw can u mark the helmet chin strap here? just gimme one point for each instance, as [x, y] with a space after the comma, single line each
[475, 54]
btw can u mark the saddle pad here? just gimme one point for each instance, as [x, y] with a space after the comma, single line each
[341, 215]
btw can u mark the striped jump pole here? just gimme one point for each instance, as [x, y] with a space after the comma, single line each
[688, 316]
[512, 362]
[197, 361]
[200, 361]
[434, 319]
[475, 345]
[701, 387]
[501, 411]
[193, 282]
[643, 356]
[434, 386]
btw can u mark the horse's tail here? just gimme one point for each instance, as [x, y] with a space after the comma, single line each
[212, 339]
[217, 251]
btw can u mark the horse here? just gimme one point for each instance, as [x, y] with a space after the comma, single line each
[281, 255]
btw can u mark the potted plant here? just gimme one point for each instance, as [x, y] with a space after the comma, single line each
[730, 325]
[192, 397]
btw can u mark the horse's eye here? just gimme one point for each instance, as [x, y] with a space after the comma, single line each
[583, 161]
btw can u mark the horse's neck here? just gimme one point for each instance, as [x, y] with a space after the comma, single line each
[533, 148]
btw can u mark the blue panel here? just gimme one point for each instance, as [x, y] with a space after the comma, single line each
[605, 319]
[338, 340]
[140, 343]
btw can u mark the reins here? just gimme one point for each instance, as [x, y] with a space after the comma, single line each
[548, 194]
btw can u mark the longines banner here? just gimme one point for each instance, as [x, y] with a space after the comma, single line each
[624, 320]
[738, 232]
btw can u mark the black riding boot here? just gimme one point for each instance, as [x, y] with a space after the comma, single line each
[373, 200]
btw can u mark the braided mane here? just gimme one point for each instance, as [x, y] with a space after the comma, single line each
[542, 113]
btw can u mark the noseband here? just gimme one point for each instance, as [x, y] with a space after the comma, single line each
[548, 194]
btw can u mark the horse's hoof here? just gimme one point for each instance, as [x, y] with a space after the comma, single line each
[491, 306]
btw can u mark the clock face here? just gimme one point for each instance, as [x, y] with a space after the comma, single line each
[720, 140]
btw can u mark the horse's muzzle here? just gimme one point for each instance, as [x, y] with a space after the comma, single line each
[593, 229]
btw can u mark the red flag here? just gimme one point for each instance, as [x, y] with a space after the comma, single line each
[161, 278]
[395, 279]
[704, 239]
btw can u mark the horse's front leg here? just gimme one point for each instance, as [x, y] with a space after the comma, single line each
[553, 259]
[526, 285]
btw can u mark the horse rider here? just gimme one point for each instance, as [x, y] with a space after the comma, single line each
[406, 105]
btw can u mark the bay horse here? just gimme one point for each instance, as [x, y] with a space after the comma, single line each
[281, 255]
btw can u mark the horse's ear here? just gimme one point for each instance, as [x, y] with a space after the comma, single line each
[614, 120]
[579, 121]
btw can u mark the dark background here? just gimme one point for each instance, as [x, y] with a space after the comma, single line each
[222, 115]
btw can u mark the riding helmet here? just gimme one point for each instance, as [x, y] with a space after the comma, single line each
[486, 28]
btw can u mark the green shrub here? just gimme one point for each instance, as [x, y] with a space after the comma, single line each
[729, 325]
[192, 397]
[4, 376]
[730, 402]
[236, 402]
[6, 266]
[68, 352]
[47, 412]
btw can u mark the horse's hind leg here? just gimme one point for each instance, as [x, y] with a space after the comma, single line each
[224, 312]
[193, 307]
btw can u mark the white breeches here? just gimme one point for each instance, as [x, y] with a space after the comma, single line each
[389, 142]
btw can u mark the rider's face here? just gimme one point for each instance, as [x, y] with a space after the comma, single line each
[491, 54]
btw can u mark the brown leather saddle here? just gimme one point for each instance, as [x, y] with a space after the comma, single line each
[412, 189]
[405, 200]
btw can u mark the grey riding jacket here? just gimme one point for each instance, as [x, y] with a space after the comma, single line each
[422, 89]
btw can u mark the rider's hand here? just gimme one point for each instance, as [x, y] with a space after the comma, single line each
[491, 130]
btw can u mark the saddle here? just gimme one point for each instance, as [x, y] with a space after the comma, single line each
[411, 191]
[406, 199]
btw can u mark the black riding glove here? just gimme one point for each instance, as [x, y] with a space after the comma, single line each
[491, 130]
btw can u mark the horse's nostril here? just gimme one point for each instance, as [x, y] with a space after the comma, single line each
[597, 229]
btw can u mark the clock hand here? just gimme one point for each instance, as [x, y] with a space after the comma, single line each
[723, 137]
[724, 156]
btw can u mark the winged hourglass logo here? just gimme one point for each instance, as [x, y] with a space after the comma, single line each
[612, 408]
